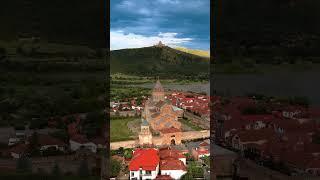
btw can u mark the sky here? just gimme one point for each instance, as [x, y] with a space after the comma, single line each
[142, 23]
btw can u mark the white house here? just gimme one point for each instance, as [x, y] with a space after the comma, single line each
[173, 167]
[144, 164]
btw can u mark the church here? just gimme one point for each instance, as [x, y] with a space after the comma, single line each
[161, 117]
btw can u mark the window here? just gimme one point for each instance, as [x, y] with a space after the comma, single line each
[148, 172]
[132, 174]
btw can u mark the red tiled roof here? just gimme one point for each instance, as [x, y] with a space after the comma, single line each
[203, 151]
[172, 164]
[170, 130]
[203, 144]
[147, 159]
[171, 154]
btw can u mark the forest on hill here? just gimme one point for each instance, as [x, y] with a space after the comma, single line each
[158, 61]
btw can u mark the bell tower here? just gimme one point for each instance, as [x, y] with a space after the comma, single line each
[158, 92]
[145, 136]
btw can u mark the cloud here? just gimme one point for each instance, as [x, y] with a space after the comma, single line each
[188, 18]
[120, 40]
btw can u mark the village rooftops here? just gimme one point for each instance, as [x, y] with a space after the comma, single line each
[171, 154]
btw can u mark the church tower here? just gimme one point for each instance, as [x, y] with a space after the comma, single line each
[145, 136]
[158, 92]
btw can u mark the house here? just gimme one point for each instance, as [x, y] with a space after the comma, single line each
[203, 150]
[243, 137]
[173, 167]
[172, 163]
[168, 153]
[80, 141]
[144, 164]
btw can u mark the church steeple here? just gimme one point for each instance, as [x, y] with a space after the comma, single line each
[158, 92]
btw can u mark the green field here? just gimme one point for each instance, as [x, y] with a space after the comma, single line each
[119, 130]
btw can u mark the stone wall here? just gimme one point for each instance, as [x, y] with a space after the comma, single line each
[191, 135]
[124, 144]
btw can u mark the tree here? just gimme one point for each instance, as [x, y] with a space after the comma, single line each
[187, 176]
[128, 153]
[121, 151]
[83, 170]
[24, 164]
[115, 167]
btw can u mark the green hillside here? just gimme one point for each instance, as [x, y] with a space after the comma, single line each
[161, 61]
[197, 52]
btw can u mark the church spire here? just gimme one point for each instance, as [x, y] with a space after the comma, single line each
[158, 92]
[158, 87]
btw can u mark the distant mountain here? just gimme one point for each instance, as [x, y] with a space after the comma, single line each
[163, 61]
[197, 52]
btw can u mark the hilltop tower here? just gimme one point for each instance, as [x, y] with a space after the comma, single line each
[158, 92]
[145, 136]
[160, 44]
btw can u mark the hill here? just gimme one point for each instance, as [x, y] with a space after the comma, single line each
[197, 52]
[160, 61]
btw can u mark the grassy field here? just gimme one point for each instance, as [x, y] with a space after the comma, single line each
[119, 130]
[194, 51]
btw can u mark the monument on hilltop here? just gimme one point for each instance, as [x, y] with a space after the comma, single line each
[160, 44]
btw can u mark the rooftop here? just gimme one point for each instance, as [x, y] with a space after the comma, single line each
[147, 159]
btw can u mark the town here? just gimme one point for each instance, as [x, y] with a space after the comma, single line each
[276, 134]
[166, 147]
[64, 146]
[279, 136]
